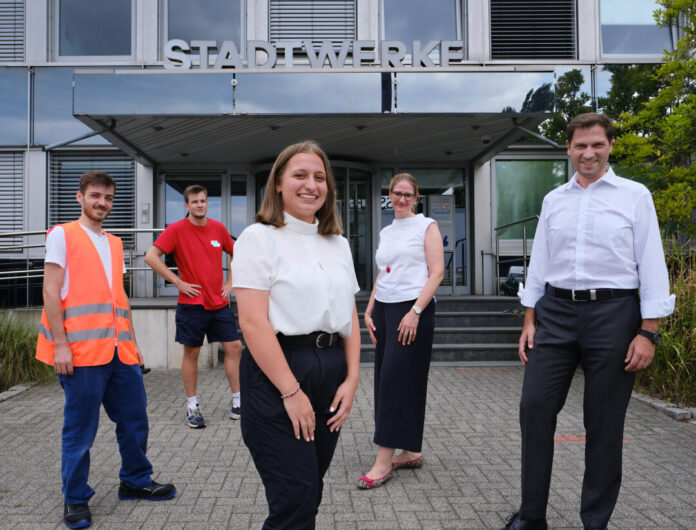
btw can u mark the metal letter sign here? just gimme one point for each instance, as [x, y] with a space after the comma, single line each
[263, 55]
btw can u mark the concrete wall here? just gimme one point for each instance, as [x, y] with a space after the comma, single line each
[154, 331]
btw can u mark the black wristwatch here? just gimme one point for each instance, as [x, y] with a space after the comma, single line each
[653, 336]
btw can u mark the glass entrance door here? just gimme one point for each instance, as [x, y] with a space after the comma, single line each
[353, 199]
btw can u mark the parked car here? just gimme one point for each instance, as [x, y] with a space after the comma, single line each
[510, 283]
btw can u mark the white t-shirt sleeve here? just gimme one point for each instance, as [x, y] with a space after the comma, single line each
[355, 286]
[252, 264]
[56, 251]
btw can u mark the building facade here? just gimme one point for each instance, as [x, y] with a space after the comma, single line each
[167, 93]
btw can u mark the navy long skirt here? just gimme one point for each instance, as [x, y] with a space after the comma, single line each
[401, 376]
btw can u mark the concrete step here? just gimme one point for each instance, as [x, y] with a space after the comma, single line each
[467, 335]
[468, 303]
[459, 352]
[474, 318]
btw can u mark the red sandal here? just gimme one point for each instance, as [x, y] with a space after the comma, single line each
[366, 483]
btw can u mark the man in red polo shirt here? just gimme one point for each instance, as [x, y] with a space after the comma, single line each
[203, 309]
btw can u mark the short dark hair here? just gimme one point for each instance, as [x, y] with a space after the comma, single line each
[589, 119]
[194, 189]
[96, 178]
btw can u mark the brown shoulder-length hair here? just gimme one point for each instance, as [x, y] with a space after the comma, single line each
[271, 211]
[411, 180]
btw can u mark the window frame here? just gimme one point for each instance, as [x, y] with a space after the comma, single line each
[195, 58]
[460, 7]
[55, 41]
[611, 58]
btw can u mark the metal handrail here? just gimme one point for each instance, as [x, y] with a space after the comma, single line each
[524, 248]
[30, 272]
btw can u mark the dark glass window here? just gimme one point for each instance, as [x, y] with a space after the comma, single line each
[628, 28]
[409, 20]
[94, 27]
[13, 106]
[217, 20]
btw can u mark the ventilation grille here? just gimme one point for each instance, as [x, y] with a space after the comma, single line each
[542, 29]
[66, 167]
[295, 20]
[11, 31]
[11, 197]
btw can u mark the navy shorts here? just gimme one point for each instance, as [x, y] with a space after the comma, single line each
[193, 322]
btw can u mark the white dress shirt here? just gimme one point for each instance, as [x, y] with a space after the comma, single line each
[603, 236]
[310, 278]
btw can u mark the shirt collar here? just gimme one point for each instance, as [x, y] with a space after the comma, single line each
[300, 226]
[608, 178]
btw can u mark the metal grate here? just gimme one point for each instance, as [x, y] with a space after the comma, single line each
[295, 20]
[65, 170]
[533, 29]
[11, 31]
[11, 196]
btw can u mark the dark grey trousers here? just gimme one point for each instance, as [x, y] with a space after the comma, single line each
[595, 335]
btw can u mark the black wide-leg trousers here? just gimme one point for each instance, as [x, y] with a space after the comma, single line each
[595, 335]
[401, 376]
[291, 470]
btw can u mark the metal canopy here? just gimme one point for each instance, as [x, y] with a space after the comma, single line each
[247, 140]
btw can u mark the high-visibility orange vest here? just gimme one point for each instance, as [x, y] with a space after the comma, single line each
[94, 315]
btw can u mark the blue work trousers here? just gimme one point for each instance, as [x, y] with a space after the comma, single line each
[119, 387]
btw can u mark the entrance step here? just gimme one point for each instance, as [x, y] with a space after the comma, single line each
[458, 352]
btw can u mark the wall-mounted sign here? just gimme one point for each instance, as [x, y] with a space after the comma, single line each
[262, 54]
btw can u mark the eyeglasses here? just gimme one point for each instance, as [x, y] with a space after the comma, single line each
[399, 195]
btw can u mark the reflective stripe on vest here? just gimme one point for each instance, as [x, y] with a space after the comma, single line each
[87, 309]
[124, 335]
[45, 332]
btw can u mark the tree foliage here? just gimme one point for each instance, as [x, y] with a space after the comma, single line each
[570, 101]
[657, 140]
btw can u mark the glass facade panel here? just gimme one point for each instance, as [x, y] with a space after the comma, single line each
[409, 20]
[295, 93]
[94, 28]
[520, 189]
[628, 28]
[450, 92]
[238, 205]
[217, 20]
[13, 106]
[53, 119]
[146, 94]
[174, 198]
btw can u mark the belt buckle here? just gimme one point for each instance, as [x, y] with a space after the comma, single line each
[593, 294]
[318, 340]
[572, 296]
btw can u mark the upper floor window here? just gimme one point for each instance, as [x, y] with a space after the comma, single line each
[414, 20]
[629, 29]
[94, 29]
[205, 20]
[533, 29]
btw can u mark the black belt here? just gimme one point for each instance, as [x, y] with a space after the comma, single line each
[588, 295]
[318, 339]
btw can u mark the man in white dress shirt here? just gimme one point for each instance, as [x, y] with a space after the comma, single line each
[596, 248]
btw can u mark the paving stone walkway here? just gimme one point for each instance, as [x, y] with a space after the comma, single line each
[470, 480]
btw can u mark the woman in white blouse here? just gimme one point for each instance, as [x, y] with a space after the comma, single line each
[400, 318]
[295, 287]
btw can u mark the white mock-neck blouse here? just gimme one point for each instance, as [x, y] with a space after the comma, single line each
[310, 278]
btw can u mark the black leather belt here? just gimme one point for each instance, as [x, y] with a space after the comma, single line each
[318, 339]
[588, 295]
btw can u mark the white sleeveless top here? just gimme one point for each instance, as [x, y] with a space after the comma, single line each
[400, 258]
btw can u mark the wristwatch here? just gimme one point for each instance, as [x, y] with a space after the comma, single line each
[653, 336]
[417, 310]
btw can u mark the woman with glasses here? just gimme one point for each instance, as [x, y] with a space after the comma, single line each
[295, 287]
[400, 318]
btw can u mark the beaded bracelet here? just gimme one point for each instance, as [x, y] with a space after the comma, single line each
[290, 394]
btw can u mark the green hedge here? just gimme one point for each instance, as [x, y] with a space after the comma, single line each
[672, 374]
[17, 350]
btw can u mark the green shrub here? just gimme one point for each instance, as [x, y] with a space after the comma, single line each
[672, 374]
[17, 351]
